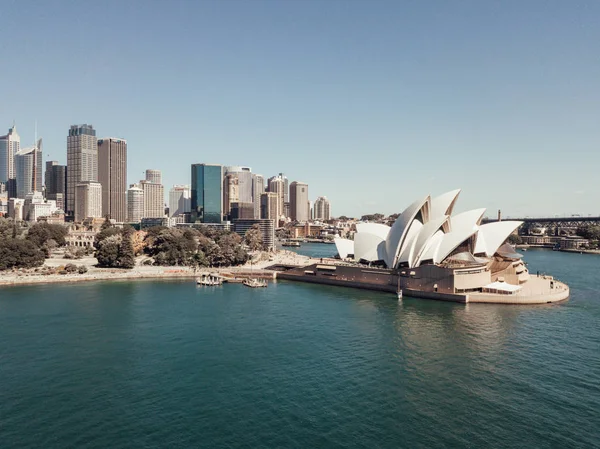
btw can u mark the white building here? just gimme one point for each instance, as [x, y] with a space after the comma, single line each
[28, 170]
[244, 176]
[88, 200]
[258, 188]
[135, 204]
[154, 176]
[36, 206]
[15, 208]
[9, 145]
[154, 199]
[180, 201]
[322, 209]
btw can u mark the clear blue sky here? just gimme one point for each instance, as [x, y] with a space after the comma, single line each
[371, 103]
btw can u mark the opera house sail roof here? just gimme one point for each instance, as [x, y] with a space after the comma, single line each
[427, 232]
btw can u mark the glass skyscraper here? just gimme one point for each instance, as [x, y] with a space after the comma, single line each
[207, 193]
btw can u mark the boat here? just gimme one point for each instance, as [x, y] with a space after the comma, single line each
[255, 283]
[209, 280]
[290, 243]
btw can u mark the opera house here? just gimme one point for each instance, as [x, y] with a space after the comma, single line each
[429, 252]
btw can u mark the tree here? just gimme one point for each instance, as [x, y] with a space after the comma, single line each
[40, 233]
[18, 253]
[253, 238]
[126, 255]
[106, 224]
[108, 251]
[589, 232]
[514, 239]
[49, 246]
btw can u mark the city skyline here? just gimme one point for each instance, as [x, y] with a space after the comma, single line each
[407, 93]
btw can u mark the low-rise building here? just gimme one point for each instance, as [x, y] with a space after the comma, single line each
[267, 228]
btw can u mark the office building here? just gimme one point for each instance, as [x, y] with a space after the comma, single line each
[207, 193]
[322, 209]
[112, 175]
[242, 211]
[135, 203]
[299, 204]
[244, 176]
[286, 188]
[269, 206]
[231, 192]
[35, 207]
[277, 185]
[154, 199]
[82, 160]
[258, 188]
[9, 146]
[88, 200]
[56, 183]
[267, 228]
[28, 169]
[154, 176]
[179, 200]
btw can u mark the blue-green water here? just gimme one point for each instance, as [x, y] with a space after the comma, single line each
[314, 249]
[167, 364]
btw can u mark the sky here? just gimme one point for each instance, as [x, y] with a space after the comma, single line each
[372, 103]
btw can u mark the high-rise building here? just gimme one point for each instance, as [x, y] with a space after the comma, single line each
[258, 188]
[269, 206]
[154, 199]
[207, 193]
[9, 145]
[112, 174]
[88, 200]
[322, 209]
[179, 200]
[242, 211]
[244, 175]
[28, 169]
[135, 204]
[82, 160]
[277, 185]
[286, 188]
[56, 183]
[299, 204]
[154, 176]
[231, 192]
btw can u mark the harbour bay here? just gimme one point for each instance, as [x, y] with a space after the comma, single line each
[169, 364]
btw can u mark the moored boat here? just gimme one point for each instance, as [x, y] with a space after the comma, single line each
[255, 283]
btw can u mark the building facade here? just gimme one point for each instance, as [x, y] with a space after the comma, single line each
[231, 192]
[88, 200]
[267, 228]
[322, 209]
[154, 199]
[82, 160]
[258, 188]
[9, 146]
[28, 170]
[207, 193]
[112, 175]
[36, 207]
[299, 204]
[56, 183]
[277, 185]
[135, 204]
[179, 200]
[241, 210]
[269, 206]
[154, 176]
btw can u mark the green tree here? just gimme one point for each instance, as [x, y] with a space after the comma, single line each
[514, 239]
[18, 253]
[40, 233]
[253, 238]
[107, 252]
[126, 256]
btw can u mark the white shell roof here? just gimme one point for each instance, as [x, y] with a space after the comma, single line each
[492, 235]
[427, 231]
[366, 246]
[397, 235]
[373, 228]
[344, 247]
[409, 242]
[443, 204]
[464, 225]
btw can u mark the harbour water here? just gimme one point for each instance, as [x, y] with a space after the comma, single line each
[169, 364]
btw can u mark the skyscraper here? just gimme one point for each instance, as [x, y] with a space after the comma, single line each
[154, 176]
[28, 169]
[299, 204]
[88, 200]
[179, 200]
[82, 160]
[269, 205]
[231, 191]
[56, 183]
[135, 204]
[258, 188]
[154, 199]
[9, 145]
[244, 175]
[277, 185]
[112, 174]
[322, 209]
[286, 188]
[207, 193]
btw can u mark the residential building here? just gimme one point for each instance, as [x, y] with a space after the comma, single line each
[82, 160]
[267, 228]
[322, 209]
[277, 185]
[154, 176]
[88, 200]
[179, 200]
[135, 203]
[154, 199]
[258, 188]
[9, 146]
[28, 169]
[112, 175]
[269, 206]
[207, 193]
[299, 204]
